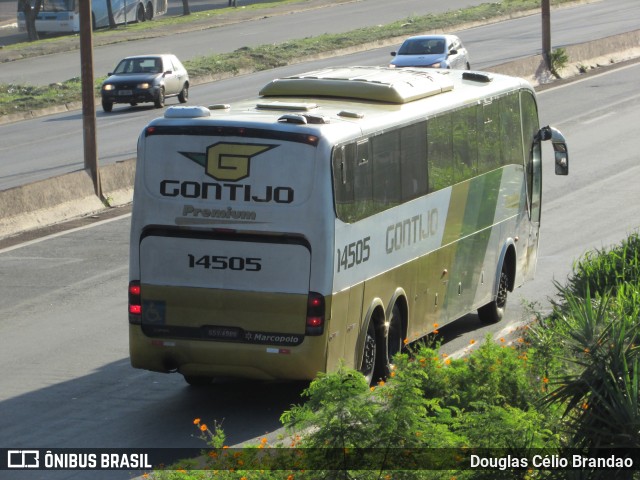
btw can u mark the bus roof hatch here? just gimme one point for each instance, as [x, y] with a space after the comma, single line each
[380, 84]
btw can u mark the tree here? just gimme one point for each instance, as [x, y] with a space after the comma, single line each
[30, 13]
[185, 7]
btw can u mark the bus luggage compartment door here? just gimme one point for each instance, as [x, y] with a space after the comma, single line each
[244, 283]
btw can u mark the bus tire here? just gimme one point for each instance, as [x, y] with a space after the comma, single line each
[394, 334]
[140, 14]
[494, 311]
[148, 11]
[198, 381]
[369, 354]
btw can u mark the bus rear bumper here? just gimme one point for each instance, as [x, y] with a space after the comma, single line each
[227, 359]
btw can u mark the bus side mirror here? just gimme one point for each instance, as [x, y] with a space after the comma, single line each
[559, 148]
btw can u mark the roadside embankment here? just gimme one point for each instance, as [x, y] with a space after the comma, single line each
[68, 196]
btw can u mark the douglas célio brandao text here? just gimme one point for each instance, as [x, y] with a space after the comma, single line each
[509, 462]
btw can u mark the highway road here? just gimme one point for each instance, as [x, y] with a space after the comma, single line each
[63, 324]
[48, 146]
[269, 28]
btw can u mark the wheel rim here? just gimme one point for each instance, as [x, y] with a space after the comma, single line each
[369, 354]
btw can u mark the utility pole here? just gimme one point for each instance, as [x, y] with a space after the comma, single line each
[88, 96]
[546, 33]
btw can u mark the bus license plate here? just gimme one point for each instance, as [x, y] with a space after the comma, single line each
[222, 333]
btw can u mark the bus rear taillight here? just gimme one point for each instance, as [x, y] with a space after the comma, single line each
[135, 302]
[315, 314]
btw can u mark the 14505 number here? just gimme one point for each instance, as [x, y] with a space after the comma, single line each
[221, 262]
[354, 254]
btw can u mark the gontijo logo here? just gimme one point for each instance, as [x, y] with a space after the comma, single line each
[228, 161]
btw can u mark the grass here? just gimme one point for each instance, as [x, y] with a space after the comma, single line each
[19, 98]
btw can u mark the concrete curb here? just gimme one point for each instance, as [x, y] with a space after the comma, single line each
[62, 198]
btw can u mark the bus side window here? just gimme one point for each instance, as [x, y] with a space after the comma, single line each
[413, 161]
[343, 181]
[362, 181]
[440, 153]
[465, 143]
[385, 150]
[533, 165]
[489, 145]
[510, 130]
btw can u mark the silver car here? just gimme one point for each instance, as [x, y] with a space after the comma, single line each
[145, 78]
[432, 51]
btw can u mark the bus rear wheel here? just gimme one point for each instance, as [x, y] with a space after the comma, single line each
[394, 334]
[140, 14]
[148, 13]
[494, 311]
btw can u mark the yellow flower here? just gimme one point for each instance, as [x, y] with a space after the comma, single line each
[545, 380]
[263, 440]
[447, 361]
[405, 341]
[381, 383]
[203, 427]
[196, 421]
[472, 341]
[435, 325]
[502, 339]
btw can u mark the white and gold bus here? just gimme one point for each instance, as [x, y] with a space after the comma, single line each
[337, 216]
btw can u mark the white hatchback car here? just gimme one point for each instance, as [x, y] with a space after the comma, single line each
[432, 51]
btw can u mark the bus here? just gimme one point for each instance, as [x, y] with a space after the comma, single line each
[62, 16]
[335, 218]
